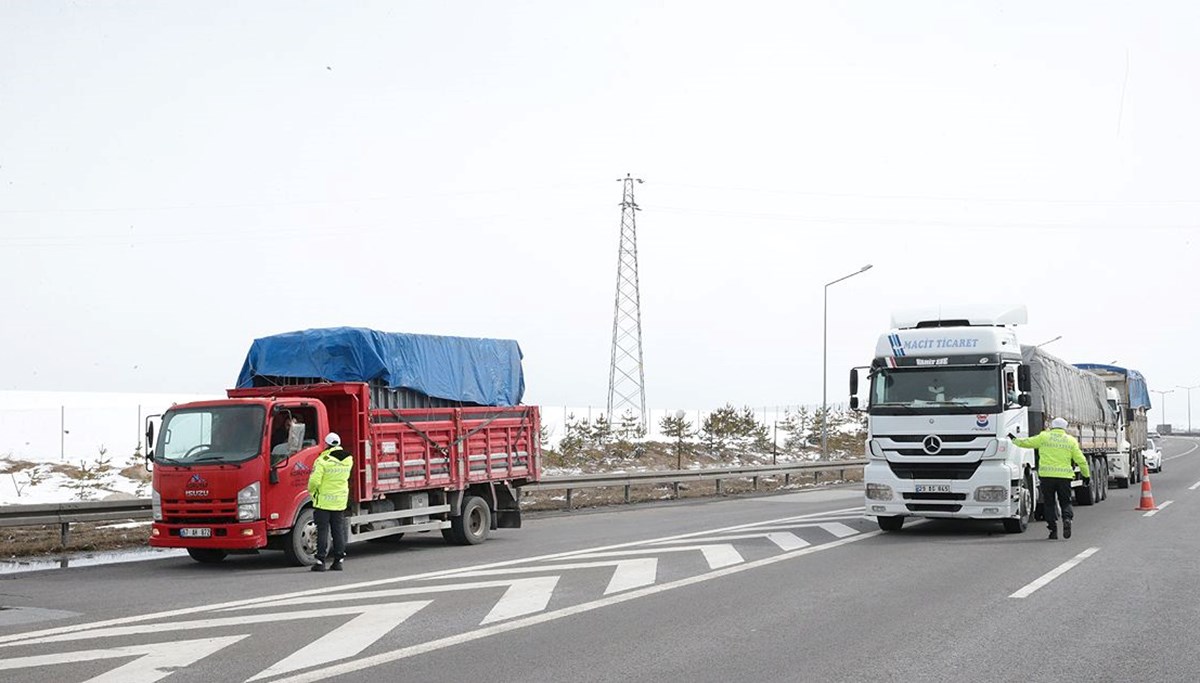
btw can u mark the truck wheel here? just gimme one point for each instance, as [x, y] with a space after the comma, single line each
[1021, 523]
[472, 527]
[207, 555]
[300, 547]
[1103, 485]
[892, 523]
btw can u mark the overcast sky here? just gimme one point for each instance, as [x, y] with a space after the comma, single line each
[179, 178]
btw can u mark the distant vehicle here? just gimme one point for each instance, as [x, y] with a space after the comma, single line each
[1152, 456]
[1155, 435]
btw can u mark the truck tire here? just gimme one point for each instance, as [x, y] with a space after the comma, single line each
[892, 523]
[207, 555]
[300, 546]
[473, 525]
[1021, 522]
[1103, 483]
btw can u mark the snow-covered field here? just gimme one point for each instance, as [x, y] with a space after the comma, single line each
[64, 446]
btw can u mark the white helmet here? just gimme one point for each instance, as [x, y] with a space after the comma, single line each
[333, 439]
[1058, 423]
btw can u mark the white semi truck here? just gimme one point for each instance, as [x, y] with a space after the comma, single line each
[946, 388]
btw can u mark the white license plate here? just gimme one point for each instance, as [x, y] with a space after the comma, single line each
[195, 533]
[933, 488]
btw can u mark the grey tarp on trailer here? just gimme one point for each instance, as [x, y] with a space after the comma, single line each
[1060, 389]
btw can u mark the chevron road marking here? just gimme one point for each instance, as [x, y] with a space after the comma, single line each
[20, 638]
[836, 528]
[348, 667]
[629, 574]
[156, 660]
[786, 541]
[717, 555]
[524, 596]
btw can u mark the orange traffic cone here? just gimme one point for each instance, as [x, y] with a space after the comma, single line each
[1147, 497]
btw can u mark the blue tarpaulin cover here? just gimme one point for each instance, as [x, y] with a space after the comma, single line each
[481, 371]
[1139, 393]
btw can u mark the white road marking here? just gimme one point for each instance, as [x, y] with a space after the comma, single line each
[717, 555]
[1159, 508]
[524, 596]
[1180, 455]
[629, 574]
[399, 612]
[403, 653]
[836, 528]
[154, 662]
[1053, 574]
[18, 638]
[347, 640]
[1195, 486]
[785, 540]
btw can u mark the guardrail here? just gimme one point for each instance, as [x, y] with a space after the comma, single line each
[677, 477]
[66, 514]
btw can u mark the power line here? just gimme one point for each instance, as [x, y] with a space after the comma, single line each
[937, 198]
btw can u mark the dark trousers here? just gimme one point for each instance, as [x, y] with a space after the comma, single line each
[335, 521]
[1053, 488]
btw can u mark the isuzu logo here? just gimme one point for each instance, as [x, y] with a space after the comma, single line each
[932, 444]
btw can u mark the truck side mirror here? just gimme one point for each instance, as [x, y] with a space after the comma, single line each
[853, 403]
[149, 435]
[1023, 400]
[1023, 380]
[853, 382]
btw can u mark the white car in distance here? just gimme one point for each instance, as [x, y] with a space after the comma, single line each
[1152, 456]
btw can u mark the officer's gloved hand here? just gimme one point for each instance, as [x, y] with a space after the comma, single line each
[1087, 481]
[1011, 437]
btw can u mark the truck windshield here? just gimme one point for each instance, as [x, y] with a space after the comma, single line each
[945, 389]
[210, 435]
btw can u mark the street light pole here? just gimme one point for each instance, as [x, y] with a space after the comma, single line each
[1162, 395]
[1189, 390]
[825, 361]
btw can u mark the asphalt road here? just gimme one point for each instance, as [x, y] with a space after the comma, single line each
[791, 587]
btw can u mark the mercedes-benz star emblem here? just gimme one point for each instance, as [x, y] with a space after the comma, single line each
[932, 444]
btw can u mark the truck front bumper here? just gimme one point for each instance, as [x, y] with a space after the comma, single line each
[988, 494]
[242, 536]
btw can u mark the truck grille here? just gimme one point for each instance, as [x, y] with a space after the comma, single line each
[933, 507]
[934, 496]
[951, 445]
[200, 511]
[934, 470]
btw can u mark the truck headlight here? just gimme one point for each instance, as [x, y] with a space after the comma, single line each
[879, 492]
[248, 503]
[156, 506]
[991, 494]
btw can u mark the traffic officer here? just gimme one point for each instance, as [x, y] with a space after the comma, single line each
[1057, 450]
[329, 487]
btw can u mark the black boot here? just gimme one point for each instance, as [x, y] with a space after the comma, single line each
[319, 566]
[1053, 533]
[1066, 528]
[337, 565]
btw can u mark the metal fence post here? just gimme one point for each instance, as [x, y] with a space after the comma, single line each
[627, 487]
[569, 491]
[64, 534]
[718, 487]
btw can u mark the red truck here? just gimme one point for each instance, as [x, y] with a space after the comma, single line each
[430, 453]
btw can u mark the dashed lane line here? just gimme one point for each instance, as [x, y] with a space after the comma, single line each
[1159, 509]
[1053, 574]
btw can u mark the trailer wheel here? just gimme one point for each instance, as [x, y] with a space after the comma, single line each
[1021, 523]
[891, 523]
[1103, 485]
[207, 555]
[472, 527]
[300, 546]
[1083, 495]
